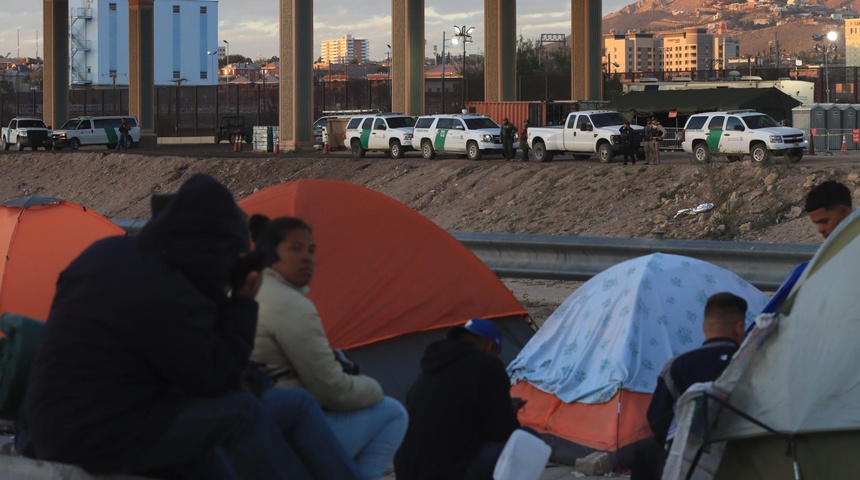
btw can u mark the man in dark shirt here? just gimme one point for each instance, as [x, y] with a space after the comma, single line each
[724, 323]
[460, 409]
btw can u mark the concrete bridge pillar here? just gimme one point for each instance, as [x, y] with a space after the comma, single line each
[55, 79]
[407, 56]
[586, 50]
[500, 46]
[296, 82]
[141, 67]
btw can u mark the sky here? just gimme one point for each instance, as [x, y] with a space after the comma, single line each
[251, 26]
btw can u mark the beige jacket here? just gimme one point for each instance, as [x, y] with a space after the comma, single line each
[289, 332]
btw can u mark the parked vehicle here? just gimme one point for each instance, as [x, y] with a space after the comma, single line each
[474, 135]
[83, 131]
[230, 127]
[582, 134]
[390, 133]
[26, 132]
[735, 133]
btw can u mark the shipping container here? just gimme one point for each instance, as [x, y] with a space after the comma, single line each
[516, 112]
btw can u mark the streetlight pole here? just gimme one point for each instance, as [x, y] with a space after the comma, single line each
[442, 110]
[227, 52]
[463, 34]
[390, 100]
[214, 56]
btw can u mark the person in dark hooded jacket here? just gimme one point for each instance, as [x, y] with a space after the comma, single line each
[460, 408]
[138, 370]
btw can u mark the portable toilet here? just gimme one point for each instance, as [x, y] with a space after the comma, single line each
[834, 126]
[818, 123]
[849, 123]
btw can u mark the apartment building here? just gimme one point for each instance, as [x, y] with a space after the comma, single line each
[688, 50]
[345, 50]
[852, 42]
[632, 52]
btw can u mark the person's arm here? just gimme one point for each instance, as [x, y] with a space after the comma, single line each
[299, 333]
[661, 411]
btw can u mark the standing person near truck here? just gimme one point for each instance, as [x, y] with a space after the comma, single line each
[122, 144]
[654, 134]
[629, 142]
[524, 137]
[508, 133]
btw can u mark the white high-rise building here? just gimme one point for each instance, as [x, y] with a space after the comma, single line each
[186, 42]
[345, 50]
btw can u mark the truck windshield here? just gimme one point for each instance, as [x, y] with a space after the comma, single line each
[401, 122]
[760, 121]
[31, 124]
[607, 119]
[70, 125]
[479, 123]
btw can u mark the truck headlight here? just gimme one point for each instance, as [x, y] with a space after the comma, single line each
[487, 138]
[615, 139]
[776, 139]
[407, 136]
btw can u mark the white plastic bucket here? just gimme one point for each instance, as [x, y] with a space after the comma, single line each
[523, 458]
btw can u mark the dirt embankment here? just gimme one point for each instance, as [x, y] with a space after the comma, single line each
[585, 198]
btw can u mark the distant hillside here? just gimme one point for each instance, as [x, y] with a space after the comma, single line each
[795, 36]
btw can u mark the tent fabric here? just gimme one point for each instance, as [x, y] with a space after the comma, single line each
[803, 378]
[384, 270]
[38, 239]
[620, 328]
[771, 101]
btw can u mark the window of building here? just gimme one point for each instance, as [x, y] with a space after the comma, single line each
[176, 9]
[112, 7]
[202, 10]
[176, 74]
[204, 75]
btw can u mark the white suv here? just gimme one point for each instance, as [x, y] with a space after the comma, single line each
[471, 134]
[26, 132]
[736, 133]
[387, 132]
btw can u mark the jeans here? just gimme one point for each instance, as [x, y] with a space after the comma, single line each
[371, 435]
[224, 437]
[121, 142]
[302, 422]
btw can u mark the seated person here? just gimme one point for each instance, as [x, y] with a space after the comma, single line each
[290, 340]
[460, 408]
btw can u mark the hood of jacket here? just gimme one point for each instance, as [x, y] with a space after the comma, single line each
[443, 353]
[200, 233]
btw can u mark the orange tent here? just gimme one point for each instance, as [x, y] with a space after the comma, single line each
[386, 276]
[39, 237]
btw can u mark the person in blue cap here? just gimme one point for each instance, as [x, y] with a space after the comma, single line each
[460, 408]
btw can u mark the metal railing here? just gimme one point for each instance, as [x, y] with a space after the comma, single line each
[557, 257]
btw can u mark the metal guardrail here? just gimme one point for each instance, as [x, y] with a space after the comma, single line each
[557, 257]
[765, 265]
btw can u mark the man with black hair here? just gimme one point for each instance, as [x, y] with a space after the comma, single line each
[827, 205]
[724, 322]
[460, 408]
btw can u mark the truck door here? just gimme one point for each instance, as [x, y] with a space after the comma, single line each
[366, 128]
[440, 140]
[379, 135]
[583, 140]
[456, 136]
[569, 133]
[86, 133]
[715, 132]
[734, 140]
[13, 127]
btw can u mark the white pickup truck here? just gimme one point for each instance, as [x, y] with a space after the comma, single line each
[583, 134]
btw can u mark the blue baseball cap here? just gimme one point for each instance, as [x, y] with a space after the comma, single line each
[480, 327]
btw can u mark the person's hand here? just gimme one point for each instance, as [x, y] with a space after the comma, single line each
[251, 286]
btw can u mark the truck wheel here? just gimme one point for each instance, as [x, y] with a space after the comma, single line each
[472, 151]
[427, 150]
[357, 150]
[217, 139]
[74, 143]
[605, 153]
[396, 149]
[20, 144]
[795, 155]
[5, 143]
[701, 153]
[758, 152]
[540, 152]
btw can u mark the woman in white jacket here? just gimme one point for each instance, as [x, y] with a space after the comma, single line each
[291, 341]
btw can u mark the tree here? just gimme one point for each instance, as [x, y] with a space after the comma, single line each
[528, 56]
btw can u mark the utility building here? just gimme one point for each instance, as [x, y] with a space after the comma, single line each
[185, 42]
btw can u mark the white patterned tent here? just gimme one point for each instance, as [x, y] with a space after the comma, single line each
[612, 336]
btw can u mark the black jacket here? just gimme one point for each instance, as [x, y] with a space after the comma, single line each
[137, 327]
[460, 401]
[704, 364]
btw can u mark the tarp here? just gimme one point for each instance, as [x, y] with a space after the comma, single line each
[686, 102]
[39, 237]
[603, 348]
[388, 277]
[796, 374]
